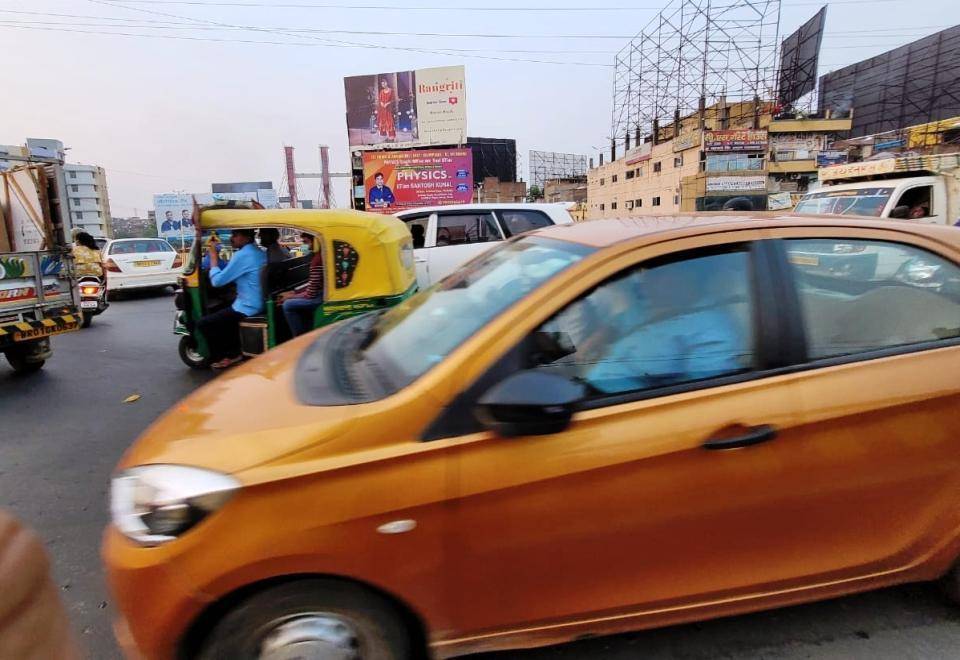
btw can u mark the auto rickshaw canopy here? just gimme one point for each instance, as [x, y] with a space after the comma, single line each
[366, 255]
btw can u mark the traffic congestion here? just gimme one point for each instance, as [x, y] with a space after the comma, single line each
[690, 394]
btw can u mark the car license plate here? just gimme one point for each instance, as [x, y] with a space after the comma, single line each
[88, 304]
[146, 264]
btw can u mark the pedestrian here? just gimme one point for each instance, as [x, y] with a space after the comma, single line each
[222, 329]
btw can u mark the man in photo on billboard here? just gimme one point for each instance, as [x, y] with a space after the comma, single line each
[169, 224]
[222, 329]
[381, 197]
[185, 221]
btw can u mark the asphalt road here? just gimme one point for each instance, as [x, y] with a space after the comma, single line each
[62, 431]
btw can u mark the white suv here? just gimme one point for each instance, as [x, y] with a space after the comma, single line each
[445, 237]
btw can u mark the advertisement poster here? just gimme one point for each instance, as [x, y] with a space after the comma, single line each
[735, 140]
[686, 141]
[779, 201]
[174, 211]
[396, 180]
[407, 108]
[827, 158]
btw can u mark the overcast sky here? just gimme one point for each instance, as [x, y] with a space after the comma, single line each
[164, 114]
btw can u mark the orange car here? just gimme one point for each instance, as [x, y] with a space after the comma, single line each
[588, 429]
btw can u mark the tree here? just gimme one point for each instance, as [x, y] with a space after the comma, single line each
[534, 193]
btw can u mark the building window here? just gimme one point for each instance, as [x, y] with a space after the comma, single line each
[678, 161]
[78, 215]
[639, 171]
[601, 207]
[676, 200]
[613, 206]
[75, 188]
[656, 201]
[638, 203]
[613, 179]
[629, 204]
[98, 214]
[631, 174]
[601, 182]
[95, 189]
[734, 162]
[73, 175]
[657, 167]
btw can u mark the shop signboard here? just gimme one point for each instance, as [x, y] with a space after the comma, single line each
[736, 183]
[779, 201]
[735, 140]
[397, 180]
[686, 141]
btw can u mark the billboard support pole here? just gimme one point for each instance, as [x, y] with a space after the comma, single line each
[291, 177]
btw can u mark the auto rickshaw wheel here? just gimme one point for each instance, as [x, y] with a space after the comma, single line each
[21, 365]
[190, 355]
[311, 618]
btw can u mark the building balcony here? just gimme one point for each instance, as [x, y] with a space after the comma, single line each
[790, 166]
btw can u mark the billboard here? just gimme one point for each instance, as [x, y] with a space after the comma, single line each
[396, 180]
[736, 183]
[799, 55]
[735, 140]
[407, 108]
[174, 211]
[913, 84]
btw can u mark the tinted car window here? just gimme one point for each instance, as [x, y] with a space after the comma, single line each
[860, 296]
[417, 224]
[655, 326]
[517, 222]
[134, 247]
[464, 228]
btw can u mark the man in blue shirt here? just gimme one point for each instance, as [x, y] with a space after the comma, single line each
[222, 329]
[381, 197]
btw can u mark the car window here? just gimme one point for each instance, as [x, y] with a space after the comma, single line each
[417, 224]
[861, 201]
[135, 247]
[518, 221]
[655, 325]
[858, 296]
[465, 228]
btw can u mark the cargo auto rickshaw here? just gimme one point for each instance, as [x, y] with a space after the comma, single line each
[368, 265]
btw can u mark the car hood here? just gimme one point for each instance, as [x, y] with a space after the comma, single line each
[246, 417]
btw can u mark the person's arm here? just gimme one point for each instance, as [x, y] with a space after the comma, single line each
[234, 268]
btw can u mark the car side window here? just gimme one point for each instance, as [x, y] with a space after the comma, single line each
[417, 224]
[660, 324]
[465, 228]
[518, 221]
[859, 295]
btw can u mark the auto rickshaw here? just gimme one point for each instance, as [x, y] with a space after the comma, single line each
[368, 265]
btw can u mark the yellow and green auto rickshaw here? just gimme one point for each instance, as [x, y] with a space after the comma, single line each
[368, 265]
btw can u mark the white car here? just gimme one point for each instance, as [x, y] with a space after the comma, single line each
[141, 263]
[446, 237]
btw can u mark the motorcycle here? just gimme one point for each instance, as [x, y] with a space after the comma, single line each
[93, 297]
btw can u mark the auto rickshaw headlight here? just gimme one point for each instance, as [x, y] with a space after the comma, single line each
[154, 504]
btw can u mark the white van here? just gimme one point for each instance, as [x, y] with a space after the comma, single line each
[445, 237]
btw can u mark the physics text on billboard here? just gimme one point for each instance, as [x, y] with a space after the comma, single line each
[395, 180]
[407, 108]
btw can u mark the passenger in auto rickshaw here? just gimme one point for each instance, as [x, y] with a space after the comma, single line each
[299, 305]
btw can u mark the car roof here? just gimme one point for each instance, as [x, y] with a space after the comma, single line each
[141, 238]
[652, 229]
[504, 206]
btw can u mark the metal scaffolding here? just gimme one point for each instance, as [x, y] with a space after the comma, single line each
[547, 165]
[693, 54]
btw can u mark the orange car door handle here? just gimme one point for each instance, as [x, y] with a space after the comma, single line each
[754, 436]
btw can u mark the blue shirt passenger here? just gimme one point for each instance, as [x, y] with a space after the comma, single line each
[244, 269]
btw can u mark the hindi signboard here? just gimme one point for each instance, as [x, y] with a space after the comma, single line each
[736, 183]
[735, 140]
[396, 180]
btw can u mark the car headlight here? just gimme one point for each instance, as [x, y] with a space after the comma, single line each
[154, 504]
